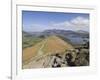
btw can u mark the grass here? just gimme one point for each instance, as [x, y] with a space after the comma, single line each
[30, 41]
[55, 44]
[30, 52]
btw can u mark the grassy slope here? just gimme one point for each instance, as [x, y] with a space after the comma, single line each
[49, 45]
[55, 44]
[30, 41]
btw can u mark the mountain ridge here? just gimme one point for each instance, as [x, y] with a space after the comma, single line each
[50, 45]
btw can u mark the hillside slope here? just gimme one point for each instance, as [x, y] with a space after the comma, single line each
[48, 46]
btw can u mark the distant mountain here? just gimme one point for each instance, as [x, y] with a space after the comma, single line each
[81, 31]
[75, 37]
[26, 34]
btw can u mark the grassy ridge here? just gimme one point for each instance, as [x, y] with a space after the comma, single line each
[52, 44]
[30, 41]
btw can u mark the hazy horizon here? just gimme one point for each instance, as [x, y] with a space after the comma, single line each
[55, 29]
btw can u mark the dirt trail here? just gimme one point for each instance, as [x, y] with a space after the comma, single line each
[40, 52]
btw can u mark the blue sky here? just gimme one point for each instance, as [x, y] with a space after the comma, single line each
[38, 21]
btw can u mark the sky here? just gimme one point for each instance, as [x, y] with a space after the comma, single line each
[36, 21]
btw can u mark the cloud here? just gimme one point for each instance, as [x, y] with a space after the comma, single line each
[32, 27]
[36, 28]
[78, 23]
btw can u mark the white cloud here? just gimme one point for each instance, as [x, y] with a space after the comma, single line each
[33, 27]
[78, 23]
